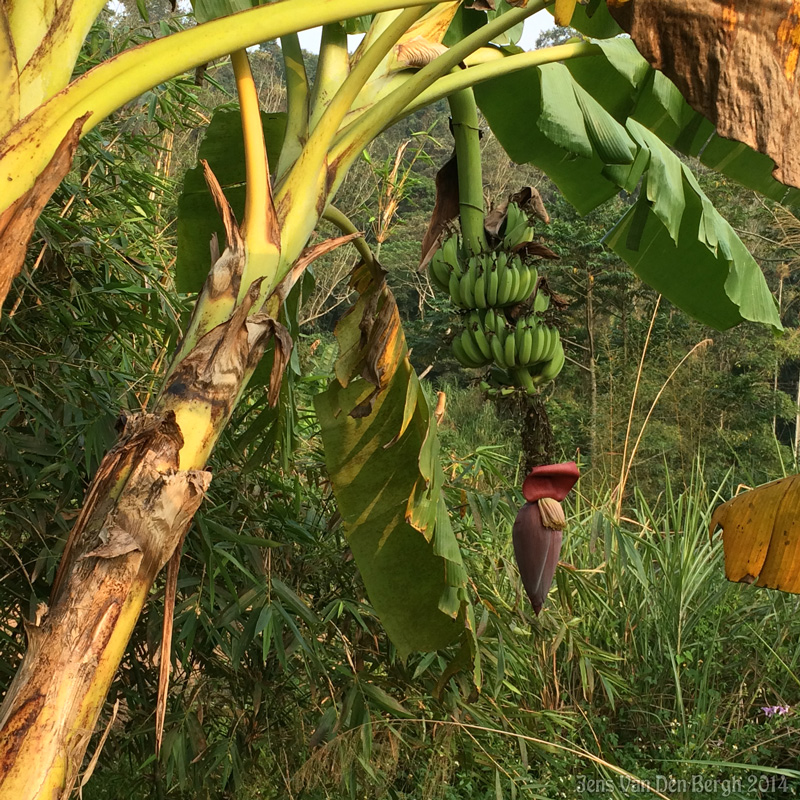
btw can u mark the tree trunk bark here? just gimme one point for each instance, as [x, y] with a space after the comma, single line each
[136, 512]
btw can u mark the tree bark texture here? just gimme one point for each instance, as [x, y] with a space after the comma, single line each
[135, 514]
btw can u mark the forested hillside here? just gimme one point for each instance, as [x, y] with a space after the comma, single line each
[645, 662]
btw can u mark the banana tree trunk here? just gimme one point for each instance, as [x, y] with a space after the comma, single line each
[137, 511]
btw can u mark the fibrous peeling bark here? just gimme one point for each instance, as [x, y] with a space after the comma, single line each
[115, 552]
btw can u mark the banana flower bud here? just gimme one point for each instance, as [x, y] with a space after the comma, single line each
[538, 528]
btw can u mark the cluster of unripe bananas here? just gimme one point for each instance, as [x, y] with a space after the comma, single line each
[526, 352]
[489, 280]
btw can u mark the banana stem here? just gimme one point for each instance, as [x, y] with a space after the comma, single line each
[255, 156]
[333, 68]
[297, 92]
[296, 206]
[466, 132]
[353, 138]
[345, 225]
[505, 65]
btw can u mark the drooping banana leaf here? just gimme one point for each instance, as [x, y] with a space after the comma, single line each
[382, 454]
[761, 535]
[675, 240]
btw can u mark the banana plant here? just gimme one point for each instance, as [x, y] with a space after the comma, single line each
[592, 113]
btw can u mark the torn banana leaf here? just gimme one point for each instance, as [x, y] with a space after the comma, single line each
[761, 535]
[382, 454]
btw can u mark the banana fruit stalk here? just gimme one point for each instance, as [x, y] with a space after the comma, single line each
[538, 529]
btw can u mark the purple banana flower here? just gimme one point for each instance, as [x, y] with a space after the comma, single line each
[537, 532]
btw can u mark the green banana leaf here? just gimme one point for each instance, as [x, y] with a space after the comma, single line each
[198, 218]
[382, 455]
[673, 238]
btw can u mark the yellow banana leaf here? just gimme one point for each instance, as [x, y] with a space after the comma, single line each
[761, 535]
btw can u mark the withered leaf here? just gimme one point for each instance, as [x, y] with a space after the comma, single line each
[482, 5]
[18, 220]
[761, 535]
[536, 249]
[529, 198]
[445, 209]
[309, 255]
[283, 351]
[118, 542]
[418, 52]
[734, 64]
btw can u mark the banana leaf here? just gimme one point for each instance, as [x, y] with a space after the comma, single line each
[382, 454]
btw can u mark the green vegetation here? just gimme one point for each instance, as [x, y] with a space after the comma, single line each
[645, 664]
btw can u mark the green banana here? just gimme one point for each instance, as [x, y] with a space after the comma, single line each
[458, 352]
[450, 251]
[541, 302]
[479, 335]
[471, 349]
[540, 342]
[500, 328]
[526, 381]
[492, 285]
[529, 283]
[497, 351]
[480, 289]
[555, 343]
[516, 277]
[504, 284]
[468, 283]
[439, 271]
[510, 349]
[551, 369]
[454, 289]
[526, 348]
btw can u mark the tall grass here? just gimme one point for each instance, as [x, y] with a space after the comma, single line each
[659, 664]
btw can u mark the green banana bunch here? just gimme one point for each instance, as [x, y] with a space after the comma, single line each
[526, 353]
[488, 280]
[471, 347]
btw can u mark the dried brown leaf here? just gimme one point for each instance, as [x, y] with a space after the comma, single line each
[309, 255]
[529, 199]
[761, 535]
[283, 351]
[735, 64]
[18, 220]
[445, 209]
[418, 52]
[119, 543]
[537, 250]
[165, 656]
